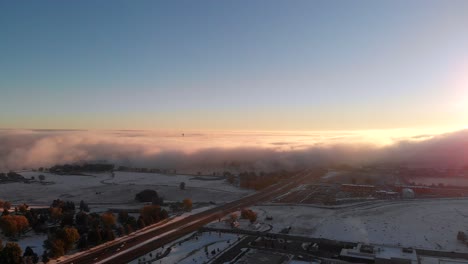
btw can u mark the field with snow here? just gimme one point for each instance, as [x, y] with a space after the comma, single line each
[118, 189]
[428, 224]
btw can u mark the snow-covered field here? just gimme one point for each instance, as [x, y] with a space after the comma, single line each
[120, 189]
[193, 250]
[429, 224]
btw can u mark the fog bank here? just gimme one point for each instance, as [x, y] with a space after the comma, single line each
[254, 150]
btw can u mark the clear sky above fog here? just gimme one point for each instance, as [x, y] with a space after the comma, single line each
[234, 65]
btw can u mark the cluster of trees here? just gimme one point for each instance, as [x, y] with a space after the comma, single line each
[68, 229]
[13, 225]
[81, 230]
[128, 223]
[95, 228]
[232, 219]
[258, 181]
[5, 205]
[16, 223]
[61, 241]
[185, 205]
[77, 168]
[11, 176]
[41, 177]
[90, 229]
[249, 214]
[30, 256]
[231, 178]
[150, 170]
[84, 206]
[61, 238]
[11, 253]
[64, 205]
[151, 214]
[151, 196]
[63, 212]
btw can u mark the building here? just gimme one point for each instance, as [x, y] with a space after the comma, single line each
[379, 254]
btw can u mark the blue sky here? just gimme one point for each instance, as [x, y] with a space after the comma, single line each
[241, 65]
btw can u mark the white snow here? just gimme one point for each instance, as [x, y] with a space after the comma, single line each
[429, 224]
[120, 189]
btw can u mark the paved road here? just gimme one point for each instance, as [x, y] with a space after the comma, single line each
[138, 244]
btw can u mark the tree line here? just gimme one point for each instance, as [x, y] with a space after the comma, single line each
[260, 180]
[69, 226]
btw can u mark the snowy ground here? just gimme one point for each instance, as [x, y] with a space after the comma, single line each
[192, 250]
[121, 189]
[430, 224]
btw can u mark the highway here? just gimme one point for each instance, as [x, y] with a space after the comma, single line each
[138, 244]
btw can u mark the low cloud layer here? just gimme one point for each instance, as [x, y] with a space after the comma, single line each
[263, 151]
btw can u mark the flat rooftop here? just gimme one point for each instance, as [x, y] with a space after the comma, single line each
[372, 252]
